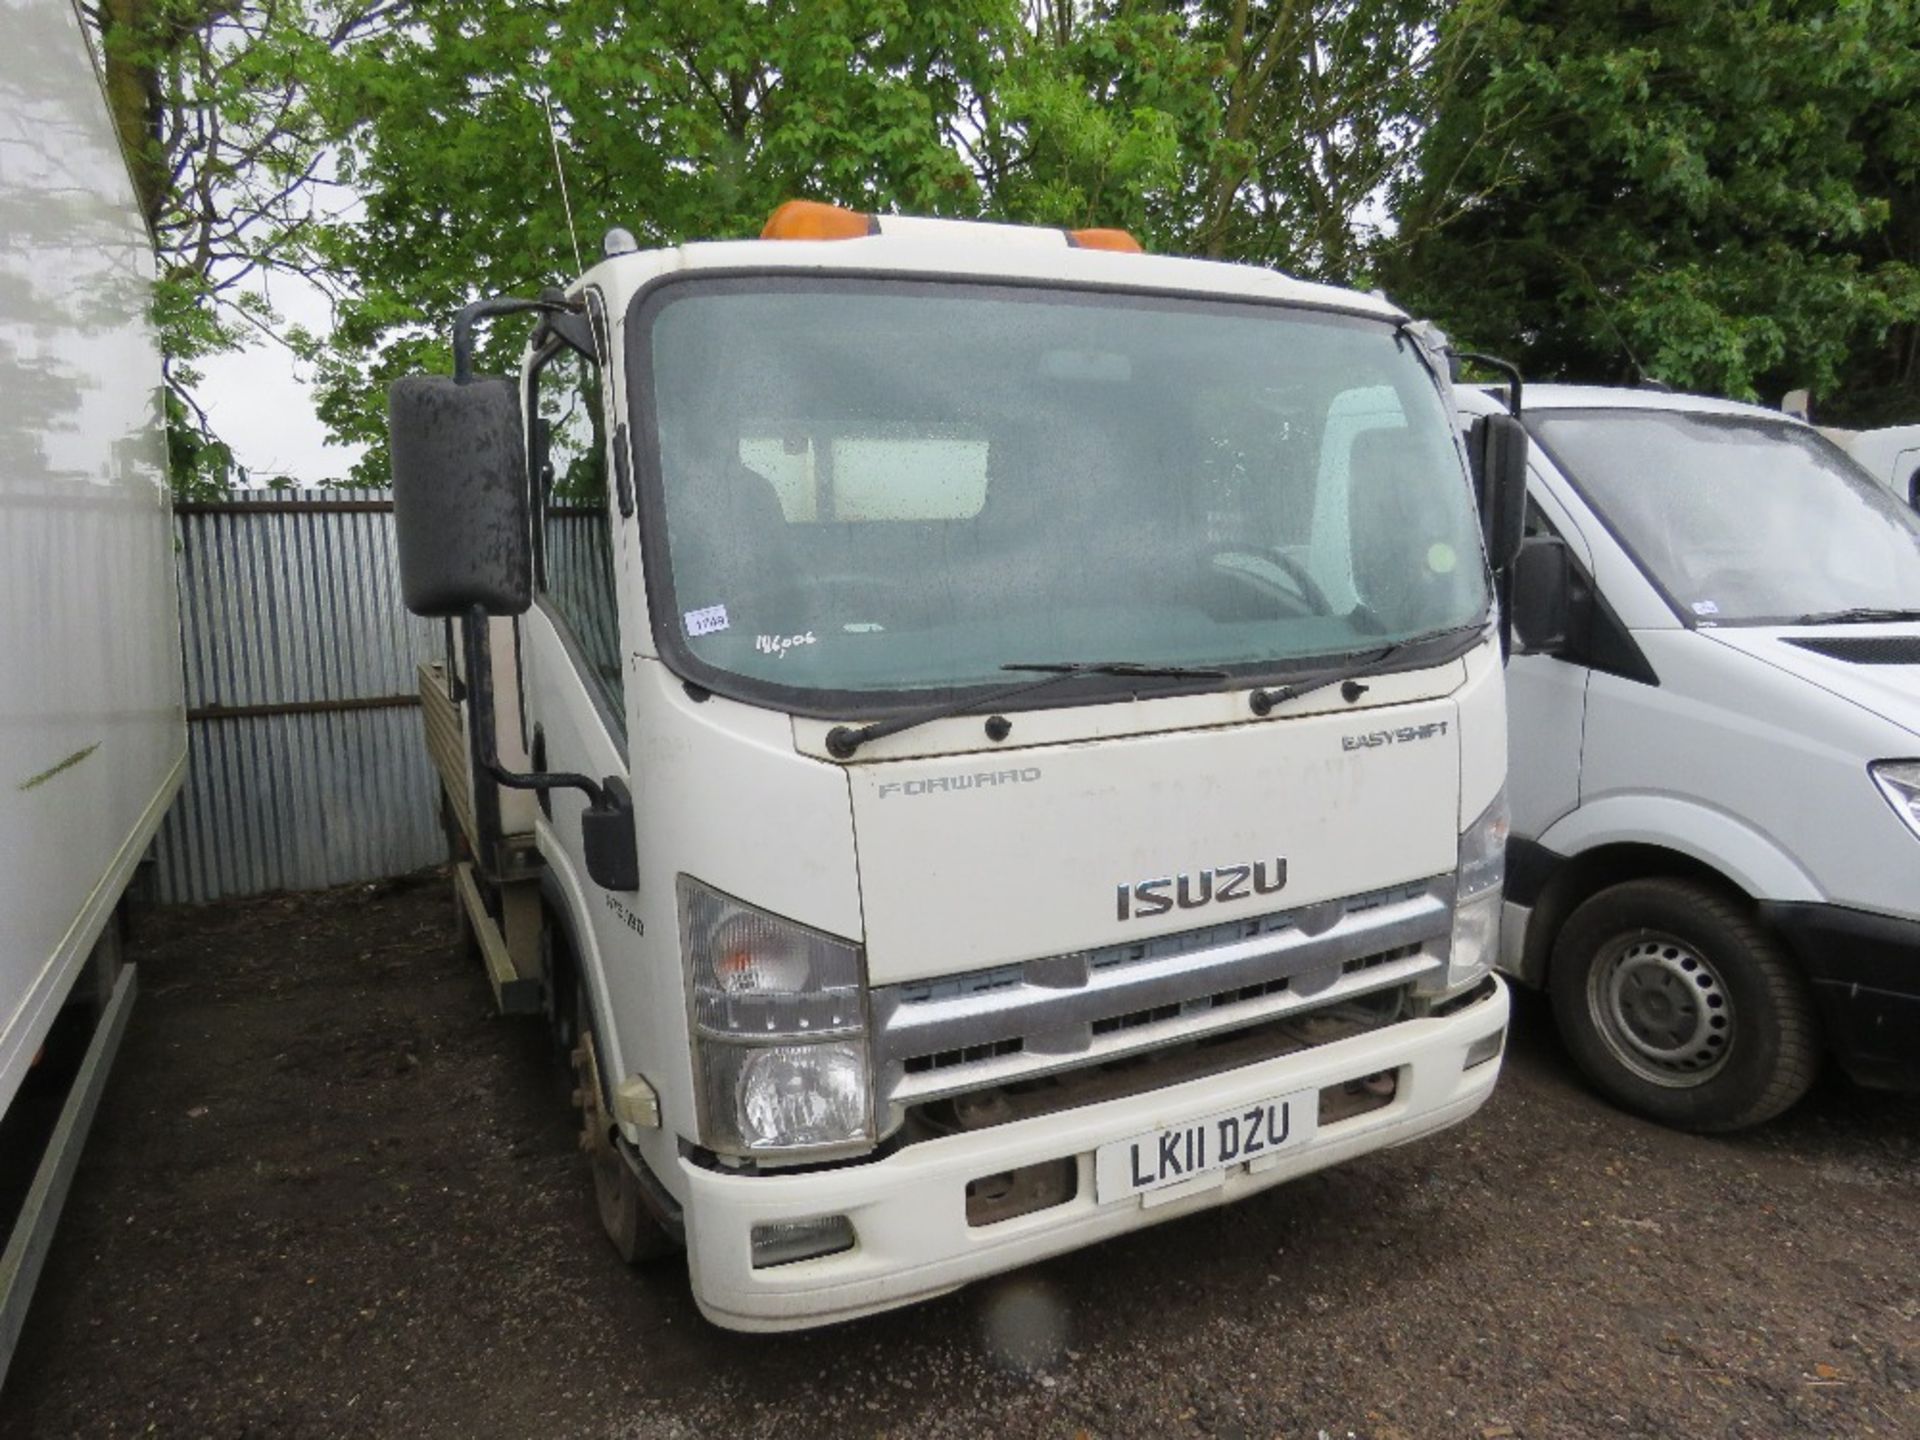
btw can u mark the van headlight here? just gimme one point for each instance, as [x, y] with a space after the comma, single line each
[1899, 781]
[1479, 882]
[779, 1030]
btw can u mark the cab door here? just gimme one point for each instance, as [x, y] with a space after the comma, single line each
[573, 692]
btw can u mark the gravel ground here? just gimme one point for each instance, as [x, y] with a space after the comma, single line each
[330, 1194]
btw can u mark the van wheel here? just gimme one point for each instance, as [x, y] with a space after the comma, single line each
[616, 1189]
[1679, 1004]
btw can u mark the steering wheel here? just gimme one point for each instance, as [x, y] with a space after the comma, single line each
[841, 591]
[1308, 597]
[792, 603]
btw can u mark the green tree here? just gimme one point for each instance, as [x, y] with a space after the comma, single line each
[229, 168]
[1322, 102]
[1243, 130]
[1097, 115]
[1718, 195]
[1265, 131]
[678, 120]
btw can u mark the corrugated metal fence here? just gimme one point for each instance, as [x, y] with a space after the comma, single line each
[305, 762]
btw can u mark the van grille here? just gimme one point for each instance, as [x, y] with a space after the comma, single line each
[1863, 649]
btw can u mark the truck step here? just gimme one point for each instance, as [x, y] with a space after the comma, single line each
[513, 993]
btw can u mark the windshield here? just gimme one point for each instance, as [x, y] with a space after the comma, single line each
[898, 488]
[1739, 519]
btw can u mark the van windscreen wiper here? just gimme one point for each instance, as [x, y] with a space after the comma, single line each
[1857, 615]
[1348, 677]
[843, 740]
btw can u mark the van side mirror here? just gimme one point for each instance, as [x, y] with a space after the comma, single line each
[460, 495]
[1541, 595]
[1497, 447]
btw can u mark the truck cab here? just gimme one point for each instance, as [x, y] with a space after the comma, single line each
[1715, 782]
[980, 739]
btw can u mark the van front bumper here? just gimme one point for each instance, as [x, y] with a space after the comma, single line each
[1865, 969]
[908, 1211]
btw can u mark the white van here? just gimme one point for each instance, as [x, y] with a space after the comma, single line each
[1715, 754]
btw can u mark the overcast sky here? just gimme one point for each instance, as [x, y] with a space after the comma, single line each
[261, 404]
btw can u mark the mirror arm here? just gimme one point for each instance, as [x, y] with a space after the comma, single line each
[479, 687]
[471, 315]
[1506, 368]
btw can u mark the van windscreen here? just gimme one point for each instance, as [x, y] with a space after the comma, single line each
[1739, 519]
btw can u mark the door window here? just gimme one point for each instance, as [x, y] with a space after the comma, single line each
[576, 533]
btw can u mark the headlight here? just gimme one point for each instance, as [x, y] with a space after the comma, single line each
[779, 1029]
[1479, 880]
[1899, 781]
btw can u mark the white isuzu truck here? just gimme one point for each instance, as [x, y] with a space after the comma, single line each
[92, 730]
[978, 739]
[1716, 754]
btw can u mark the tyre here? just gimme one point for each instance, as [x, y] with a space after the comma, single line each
[616, 1189]
[1678, 1004]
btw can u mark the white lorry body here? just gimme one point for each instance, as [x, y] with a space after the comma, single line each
[92, 729]
[1049, 968]
[1712, 868]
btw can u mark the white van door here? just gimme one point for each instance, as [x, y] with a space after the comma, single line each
[1546, 704]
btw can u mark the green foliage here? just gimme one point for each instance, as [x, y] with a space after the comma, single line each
[1719, 195]
[1231, 128]
[677, 120]
[210, 101]
[1322, 102]
[1097, 119]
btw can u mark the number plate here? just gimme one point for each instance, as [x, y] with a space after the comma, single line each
[1200, 1148]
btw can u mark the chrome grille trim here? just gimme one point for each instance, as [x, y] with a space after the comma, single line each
[1031, 1023]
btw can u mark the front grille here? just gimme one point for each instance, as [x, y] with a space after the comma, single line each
[1014, 1022]
[1863, 649]
[919, 1064]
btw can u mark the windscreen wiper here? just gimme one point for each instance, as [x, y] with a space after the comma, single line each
[1348, 677]
[1857, 615]
[843, 740]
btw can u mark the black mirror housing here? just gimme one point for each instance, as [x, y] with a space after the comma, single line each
[608, 837]
[1497, 445]
[460, 495]
[1541, 595]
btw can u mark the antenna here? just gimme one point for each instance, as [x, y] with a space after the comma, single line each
[560, 169]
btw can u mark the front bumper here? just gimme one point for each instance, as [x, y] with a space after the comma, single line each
[1865, 969]
[909, 1210]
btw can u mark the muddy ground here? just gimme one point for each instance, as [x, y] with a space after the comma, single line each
[329, 1193]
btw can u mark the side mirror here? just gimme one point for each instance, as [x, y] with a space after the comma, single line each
[607, 836]
[1541, 595]
[1497, 446]
[460, 495]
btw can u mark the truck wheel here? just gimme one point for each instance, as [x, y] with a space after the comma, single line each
[1680, 1005]
[616, 1189]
